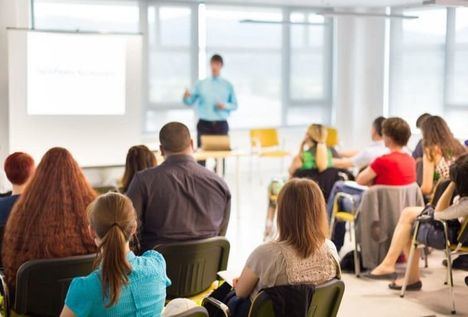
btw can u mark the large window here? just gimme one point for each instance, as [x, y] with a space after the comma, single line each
[252, 52]
[428, 65]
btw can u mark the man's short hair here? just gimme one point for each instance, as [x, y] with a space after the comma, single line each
[19, 167]
[217, 58]
[174, 137]
[377, 124]
[421, 118]
[397, 129]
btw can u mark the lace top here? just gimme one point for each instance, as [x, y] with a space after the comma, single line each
[276, 263]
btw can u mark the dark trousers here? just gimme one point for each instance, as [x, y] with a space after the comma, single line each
[205, 127]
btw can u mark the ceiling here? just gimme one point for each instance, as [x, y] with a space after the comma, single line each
[328, 3]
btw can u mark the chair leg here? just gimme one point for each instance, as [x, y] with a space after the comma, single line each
[448, 254]
[357, 262]
[414, 245]
[426, 252]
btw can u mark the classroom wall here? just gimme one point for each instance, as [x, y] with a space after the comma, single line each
[12, 14]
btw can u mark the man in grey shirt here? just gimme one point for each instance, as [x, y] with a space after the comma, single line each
[179, 199]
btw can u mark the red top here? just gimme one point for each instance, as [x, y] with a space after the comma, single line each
[395, 168]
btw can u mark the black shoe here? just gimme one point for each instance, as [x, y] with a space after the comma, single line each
[410, 287]
[460, 263]
[389, 276]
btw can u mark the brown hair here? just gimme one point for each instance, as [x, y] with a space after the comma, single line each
[174, 137]
[397, 129]
[436, 132]
[139, 158]
[302, 219]
[113, 219]
[19, 167]
[49, 220]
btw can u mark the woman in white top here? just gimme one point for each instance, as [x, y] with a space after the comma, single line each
[402, 235]
[301, 254]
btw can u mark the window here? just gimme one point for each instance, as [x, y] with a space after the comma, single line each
[428, 66]
[252, 53]
[169, 53]
[309, 89]
[101, 16]
[417, 64]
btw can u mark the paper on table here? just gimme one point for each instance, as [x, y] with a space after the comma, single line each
[228, 276]
[356, 185]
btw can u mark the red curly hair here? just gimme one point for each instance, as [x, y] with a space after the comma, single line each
[49, 220]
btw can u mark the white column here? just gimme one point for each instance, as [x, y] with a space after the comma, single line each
[359, 77]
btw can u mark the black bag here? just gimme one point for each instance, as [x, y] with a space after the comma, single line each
[431, 232]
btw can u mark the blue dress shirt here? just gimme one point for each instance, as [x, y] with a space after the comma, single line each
[207, 93]
[143, 296]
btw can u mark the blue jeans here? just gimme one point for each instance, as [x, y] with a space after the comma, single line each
[239, 307]
[339, 229]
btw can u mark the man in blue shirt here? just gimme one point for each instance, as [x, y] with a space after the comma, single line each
[214, 100]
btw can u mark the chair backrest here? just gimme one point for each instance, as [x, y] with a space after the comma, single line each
[192, 266]
[42, 285]
[463, 234]
[198, 311]
[264, 137]
[332, 137]
[325, 301]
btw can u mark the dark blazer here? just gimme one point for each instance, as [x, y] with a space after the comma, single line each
[179, 200]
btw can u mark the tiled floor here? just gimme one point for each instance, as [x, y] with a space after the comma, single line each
[362, 297]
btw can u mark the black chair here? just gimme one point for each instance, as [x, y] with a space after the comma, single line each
[7, 194]
[2, 229]
[42, 285]
[192, 266]
[325, 302]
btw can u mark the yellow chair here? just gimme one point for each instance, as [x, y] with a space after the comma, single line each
[450, 250]
[350, 217]
[332, 137]
[265, 143]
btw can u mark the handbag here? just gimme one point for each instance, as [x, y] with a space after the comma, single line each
[431, 232]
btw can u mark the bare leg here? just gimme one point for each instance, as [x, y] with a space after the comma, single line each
[400, 240]
[413, 267]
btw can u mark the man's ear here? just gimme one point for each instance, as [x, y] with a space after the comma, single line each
[161, 149]
[191, 144]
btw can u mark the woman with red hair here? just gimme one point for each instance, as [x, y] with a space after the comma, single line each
[19, 168]
[49, 220]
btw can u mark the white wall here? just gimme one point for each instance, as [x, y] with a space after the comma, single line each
[359, 77]
[13, 13]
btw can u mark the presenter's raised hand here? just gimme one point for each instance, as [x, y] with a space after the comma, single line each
[220, 106]
[187, 93]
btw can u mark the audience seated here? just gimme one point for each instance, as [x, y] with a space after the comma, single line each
[18, 169]
[366, 156]
[300, 255]
[124, 284]
[418, 151]
[401, 240]
[179, 199]
[139, 158]
[396, 168]
[440, 151]
[49, 220]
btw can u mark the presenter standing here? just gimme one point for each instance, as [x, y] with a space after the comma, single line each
[214, 100]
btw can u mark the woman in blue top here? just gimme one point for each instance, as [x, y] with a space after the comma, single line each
[124, 284]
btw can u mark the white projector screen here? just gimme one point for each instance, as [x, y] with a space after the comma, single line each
[78, 91]
[75, 75]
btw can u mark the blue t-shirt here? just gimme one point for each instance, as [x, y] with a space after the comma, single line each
[6, 205]
[144, 295]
